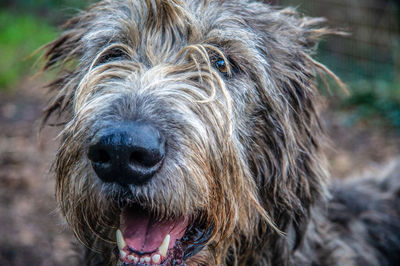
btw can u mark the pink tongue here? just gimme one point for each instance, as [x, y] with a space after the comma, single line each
[144, 234]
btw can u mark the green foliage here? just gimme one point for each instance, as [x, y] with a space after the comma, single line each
[35, 5]
[376, 100]
[26, 25]
[374, 87]
[20, 36]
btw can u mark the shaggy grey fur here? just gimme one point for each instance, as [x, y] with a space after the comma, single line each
[244, 139]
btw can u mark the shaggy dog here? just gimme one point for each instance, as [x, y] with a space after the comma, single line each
[193, 137]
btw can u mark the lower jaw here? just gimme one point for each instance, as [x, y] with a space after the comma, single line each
[173, 256]
[142, 262]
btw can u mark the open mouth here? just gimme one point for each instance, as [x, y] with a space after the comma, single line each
[143, 240]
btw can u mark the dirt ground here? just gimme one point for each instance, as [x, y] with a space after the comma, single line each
[31, 232]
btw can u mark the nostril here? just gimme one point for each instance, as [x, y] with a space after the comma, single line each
[99, 156]
[145, 158]
[102, 157]
[136, 157]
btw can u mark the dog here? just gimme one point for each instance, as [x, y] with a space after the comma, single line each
[192, 136]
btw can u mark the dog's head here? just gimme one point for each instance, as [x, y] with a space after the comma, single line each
[192, 129]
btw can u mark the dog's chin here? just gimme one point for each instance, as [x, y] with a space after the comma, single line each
[144, 239]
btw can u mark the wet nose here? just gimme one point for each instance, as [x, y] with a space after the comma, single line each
[127, 152]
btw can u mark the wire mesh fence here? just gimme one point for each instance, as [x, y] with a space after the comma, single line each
[372, 48]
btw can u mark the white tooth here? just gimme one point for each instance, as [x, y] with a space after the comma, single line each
[147, 259]
[120, 240]
[122, 254]
[163, 249]
[135, 259]
[141, 260]
[131, 257]
[156, 258]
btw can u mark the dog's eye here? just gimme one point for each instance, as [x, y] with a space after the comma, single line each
[221, 65]
[112, 55]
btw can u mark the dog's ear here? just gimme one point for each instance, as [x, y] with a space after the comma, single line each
[63, 54]
[287, 38]
[68, 46]
[295, 176]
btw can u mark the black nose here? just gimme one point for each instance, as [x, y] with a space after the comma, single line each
[127, 152]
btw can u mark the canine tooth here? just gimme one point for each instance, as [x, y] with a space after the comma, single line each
[120, 240]
[163, 249]
[147, 259]
[122, 254]
[156, 258]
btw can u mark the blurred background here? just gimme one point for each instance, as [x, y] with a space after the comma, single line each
[364, 127]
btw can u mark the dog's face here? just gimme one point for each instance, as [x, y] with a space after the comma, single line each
[191, 127]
